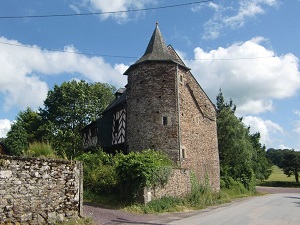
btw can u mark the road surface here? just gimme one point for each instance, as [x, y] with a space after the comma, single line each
[273, 209]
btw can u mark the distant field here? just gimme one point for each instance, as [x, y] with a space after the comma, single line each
[279, 179]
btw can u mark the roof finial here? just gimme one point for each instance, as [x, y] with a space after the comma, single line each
[156, 23]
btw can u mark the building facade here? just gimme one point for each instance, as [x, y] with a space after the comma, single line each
[164, 108]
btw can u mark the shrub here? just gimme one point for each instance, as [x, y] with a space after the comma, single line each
[99, 173]
[40, 149]
[138, 170]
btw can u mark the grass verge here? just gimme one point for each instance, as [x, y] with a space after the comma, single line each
[197, 199]
[82, 221]
[279, 179]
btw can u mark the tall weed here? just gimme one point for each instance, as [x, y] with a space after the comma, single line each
[40, 149]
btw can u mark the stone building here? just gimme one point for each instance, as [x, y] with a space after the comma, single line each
[163, 107]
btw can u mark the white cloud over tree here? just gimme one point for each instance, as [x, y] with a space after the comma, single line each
[21, 82]
[4, 127]
[266, 128]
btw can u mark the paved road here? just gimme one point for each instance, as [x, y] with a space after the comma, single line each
[273, 209]
[280, 207]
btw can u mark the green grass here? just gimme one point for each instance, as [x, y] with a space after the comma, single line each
[200, 198]
[82, 221]
[279, 179]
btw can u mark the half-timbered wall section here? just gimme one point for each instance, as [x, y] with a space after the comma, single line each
[90, 136]
[119, 124]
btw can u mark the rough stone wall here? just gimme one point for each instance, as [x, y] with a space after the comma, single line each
[198, 130]
[152, 96]
[178, 185]
[39, 191]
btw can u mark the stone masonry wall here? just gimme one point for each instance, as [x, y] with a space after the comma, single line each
[151, 96]
[178, 185]
[198, 129]
[39, 191]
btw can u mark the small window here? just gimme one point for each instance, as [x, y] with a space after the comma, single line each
[165, 120]
[183, 155]
[116, 127]
[94, 131]
[181, 78]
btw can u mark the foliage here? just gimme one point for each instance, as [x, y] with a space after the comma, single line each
[32, 122]
[26, 130]
[165, 204]
[242, 158]
[99, 172]
[16, 141]
[127, 174]
[201, 197]
[276, 155]
[68, 108]
[40, 149]
[138, 170]
[110, 200]
[288, 160]
[291, 164]
[260, 163]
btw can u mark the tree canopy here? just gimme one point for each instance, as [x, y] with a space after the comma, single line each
[286, 159]
[67, 109]
[242, 157]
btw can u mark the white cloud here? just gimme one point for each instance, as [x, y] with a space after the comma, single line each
[282, 146]
[5, 125]
[251, 81]
[297, 112]
[234, 15]
[21, 84]
[117, 5]
[265, 127]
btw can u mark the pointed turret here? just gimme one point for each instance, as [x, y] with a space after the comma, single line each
[156, 50]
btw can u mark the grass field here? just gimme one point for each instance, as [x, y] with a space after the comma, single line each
[279, 179]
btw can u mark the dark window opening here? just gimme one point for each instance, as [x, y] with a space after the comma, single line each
[116, 127]
[183, 153]
[94, 131]
[165, 120]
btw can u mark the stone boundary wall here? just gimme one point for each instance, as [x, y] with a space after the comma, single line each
[178, 185]
[39, 190]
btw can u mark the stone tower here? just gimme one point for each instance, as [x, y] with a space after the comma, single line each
[167, 110]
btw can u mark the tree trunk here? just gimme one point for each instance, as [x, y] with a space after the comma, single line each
[297, 177]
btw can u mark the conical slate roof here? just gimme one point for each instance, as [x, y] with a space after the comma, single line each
[156, 50]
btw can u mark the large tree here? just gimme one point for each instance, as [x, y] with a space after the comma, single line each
[16, 141]
[241, 155]
[25, 130]
[32, 122]
[286, 159]
[291, 164]
[68, 108]
[260, 163]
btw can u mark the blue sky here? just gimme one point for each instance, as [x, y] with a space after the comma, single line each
[248, 48]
